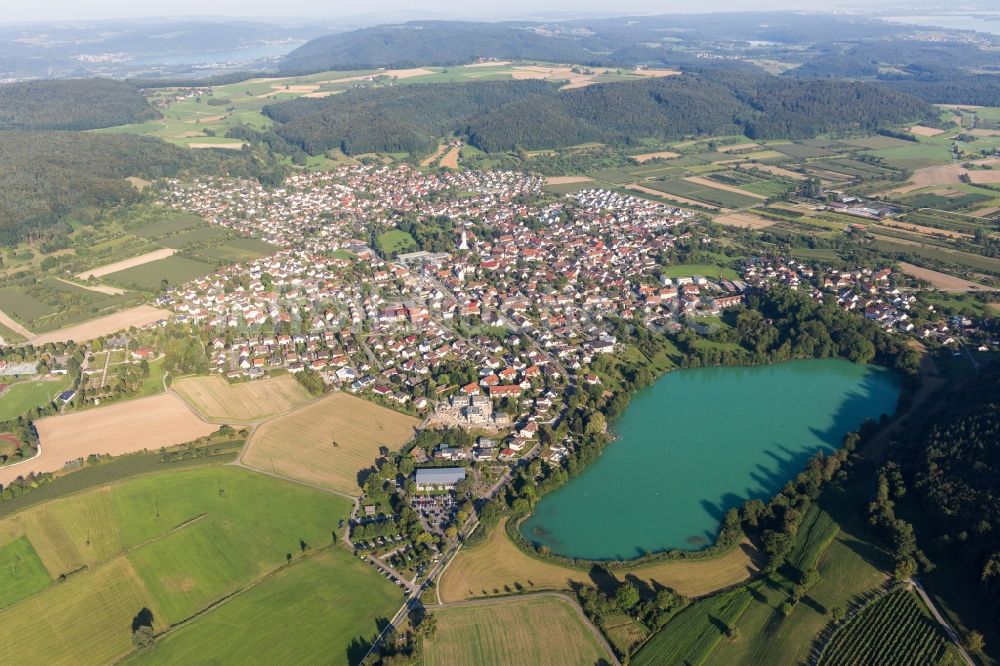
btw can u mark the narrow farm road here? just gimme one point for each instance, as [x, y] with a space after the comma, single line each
[952, 634]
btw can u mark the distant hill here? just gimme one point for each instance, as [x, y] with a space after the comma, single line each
[619, 41]
[72, 104]
[502, 115]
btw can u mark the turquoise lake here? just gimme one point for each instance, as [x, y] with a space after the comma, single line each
[699, 442]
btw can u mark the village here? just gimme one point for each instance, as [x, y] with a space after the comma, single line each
[505, 304]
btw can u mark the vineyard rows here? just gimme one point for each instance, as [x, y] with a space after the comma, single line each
[893, 630]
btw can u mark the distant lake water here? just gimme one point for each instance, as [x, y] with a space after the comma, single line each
[228, 56]
[989, 23]
[699, 442]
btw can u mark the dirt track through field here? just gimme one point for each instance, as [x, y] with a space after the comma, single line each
[98, 288]
[108, 269]
[673, 197]
[141, 315]
[125, 427]
[707, 182]
[437, 153]
[9, 322]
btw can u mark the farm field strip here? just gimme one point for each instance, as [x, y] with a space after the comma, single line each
[507, 632]
[117, 266]
[216, 399]
[134, 425]
[939, 280]
[327, 442]
[139, 316]
[497, 566]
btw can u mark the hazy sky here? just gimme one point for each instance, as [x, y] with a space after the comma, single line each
[58, 10]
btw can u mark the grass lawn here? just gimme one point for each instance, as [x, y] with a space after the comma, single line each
[330, 604]
[395, 241]
[710, 271]
[22, 396]
[23, 572]
[545, 631]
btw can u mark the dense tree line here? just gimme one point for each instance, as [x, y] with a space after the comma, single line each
[72, 104]
[951, 459]
[505, 115]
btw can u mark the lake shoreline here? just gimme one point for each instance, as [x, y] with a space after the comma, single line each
[725, 537]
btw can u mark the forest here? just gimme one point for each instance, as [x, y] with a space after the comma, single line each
[504, 115]
[952, 461]
[72, 104]
[47, 176]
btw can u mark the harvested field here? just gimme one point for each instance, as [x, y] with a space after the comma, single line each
[134, 425]
[567, 180]
[743, 221]
[922, 130]
[300, 444]
[663, 154]
[141, 315]
[983, 132]
[98, 288]
[392, 73]
[699, 180]
[673, 197]
[218, 400]
[498, 566]
[226, 146]
[506, 631]
[436, 154]
[941, 281]
[139, 183]
[85, 620]
[920, 229]
[107, 269]
[738, 146]
[948, 174]
[984, 177]
[450, 160]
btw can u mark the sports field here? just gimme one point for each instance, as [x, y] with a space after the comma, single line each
[497, 566]
[21, 397]
[218, 400]
[146, 423]
[545, 631]
[301, 444]
[176, 543]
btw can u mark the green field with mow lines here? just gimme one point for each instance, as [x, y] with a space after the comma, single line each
[176, 543]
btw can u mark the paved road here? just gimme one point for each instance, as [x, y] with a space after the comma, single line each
[952, 634]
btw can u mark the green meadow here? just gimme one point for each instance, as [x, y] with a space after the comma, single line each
[170, 546]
